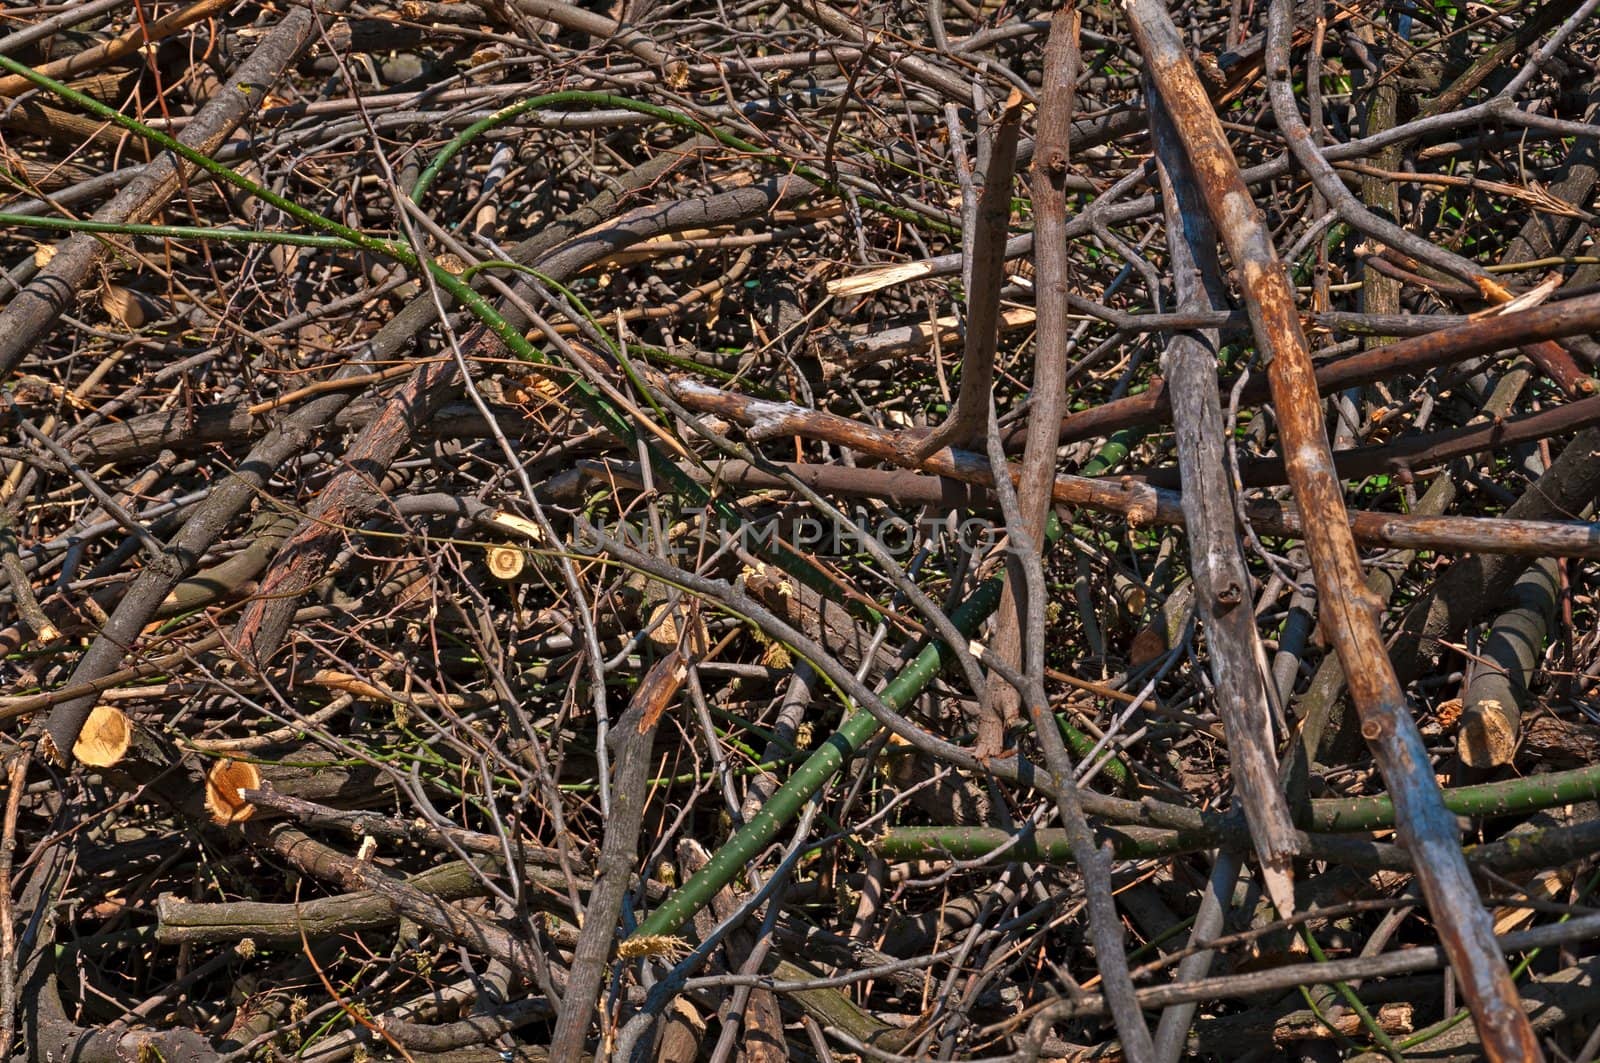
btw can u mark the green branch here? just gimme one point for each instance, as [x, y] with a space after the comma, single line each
[173, 232]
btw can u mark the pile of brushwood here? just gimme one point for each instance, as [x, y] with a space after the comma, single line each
[672, 530]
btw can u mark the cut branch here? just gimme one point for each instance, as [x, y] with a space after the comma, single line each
[1349, 612]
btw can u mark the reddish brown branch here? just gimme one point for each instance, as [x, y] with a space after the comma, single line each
[1349, 612]
[1131, 498]
[1574, 317]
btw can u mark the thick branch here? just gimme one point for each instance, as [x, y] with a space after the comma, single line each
[1348, 610]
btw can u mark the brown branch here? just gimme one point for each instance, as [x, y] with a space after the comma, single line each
[1216, 559]
[118, 47]
[1349, 612]
[16, 772]
[1447, 346]
[986, 276]
[633, 737]
[1418, 453]
[1052, 155]
[1136, 500]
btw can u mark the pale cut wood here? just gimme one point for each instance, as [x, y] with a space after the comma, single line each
[224, 783]
[1491, 718]
[105, 738]
[504, 561]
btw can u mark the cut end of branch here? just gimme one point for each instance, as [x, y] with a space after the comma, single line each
[883, 277]
[1277, 875]
[225, 785]
[50, 751]
[659, 946]
[1488, 736]
[659, 687]
[665, 625]
[520, 525]
[104, 739]
[1492, 289]
[129, 307]
[505, 561]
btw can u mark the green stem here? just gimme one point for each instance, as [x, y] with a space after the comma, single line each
[1113, 452]
[1508, 798]
[729, 860]
[1353, 1002]
[204, 162]
[174, 232]
[1348, 815]
[1081, 745]
[1036, 846]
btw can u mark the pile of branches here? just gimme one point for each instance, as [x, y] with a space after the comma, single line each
[668, 530]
